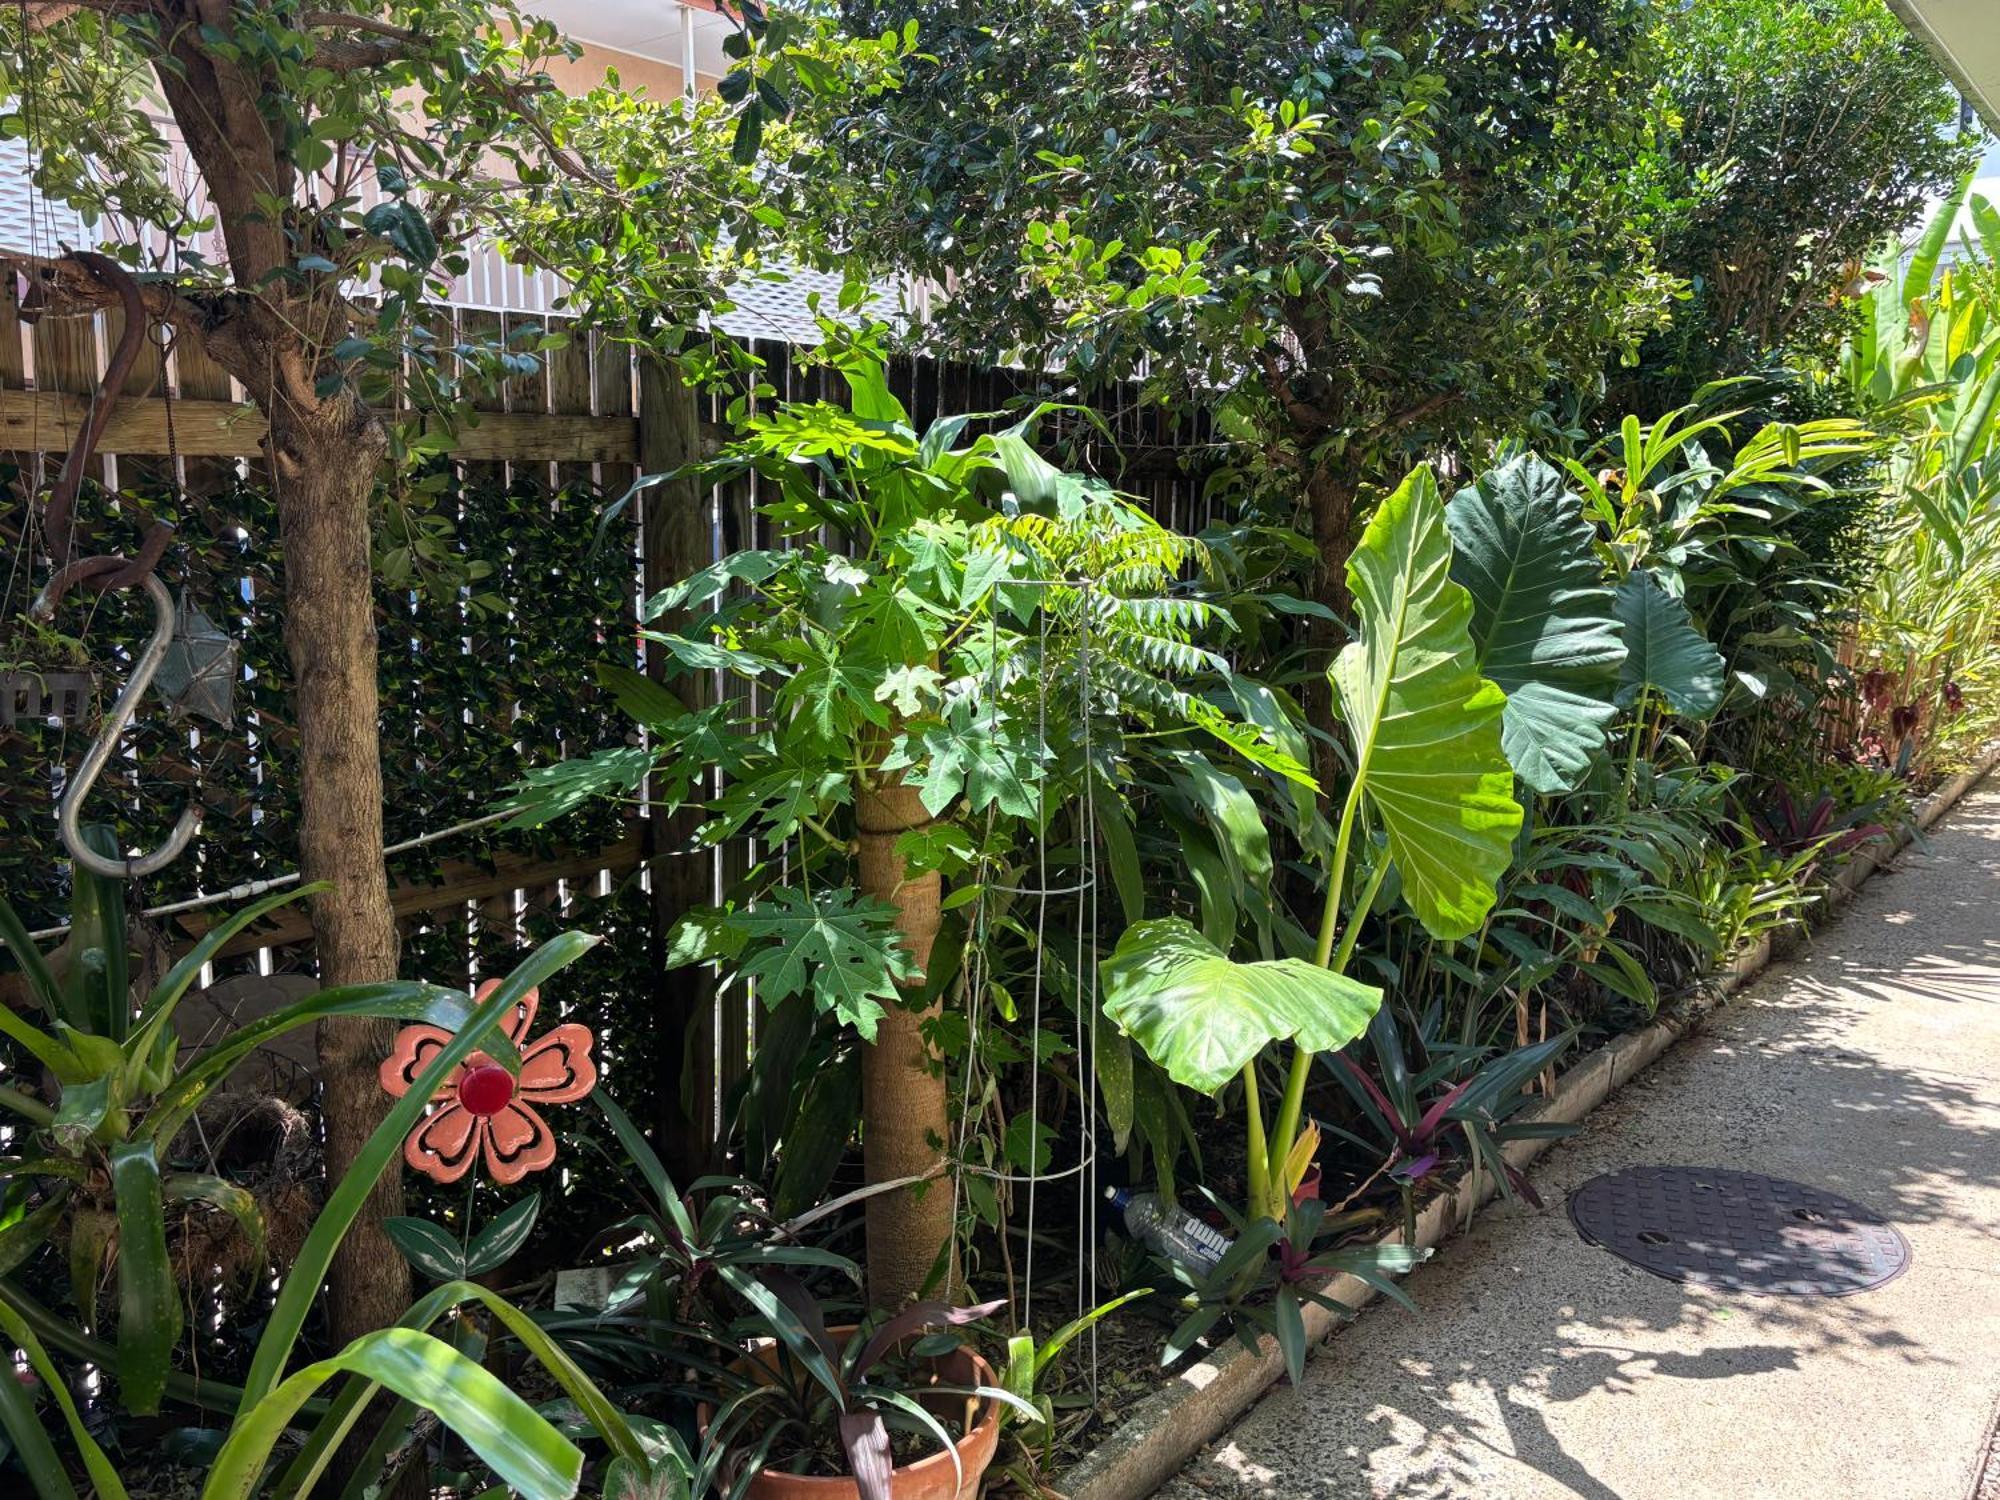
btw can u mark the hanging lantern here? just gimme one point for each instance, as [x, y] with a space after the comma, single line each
[198, 673]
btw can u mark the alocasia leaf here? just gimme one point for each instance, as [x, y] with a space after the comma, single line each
[1542, 622]
[839, 947]
[1664, 652]
[1201, 1016]
[1427, 754]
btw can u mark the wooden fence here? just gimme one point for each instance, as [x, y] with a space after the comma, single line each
[590, 419]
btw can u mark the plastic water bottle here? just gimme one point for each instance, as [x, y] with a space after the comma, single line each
[1172, 1232]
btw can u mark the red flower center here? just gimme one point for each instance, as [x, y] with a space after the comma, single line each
[485, 1089]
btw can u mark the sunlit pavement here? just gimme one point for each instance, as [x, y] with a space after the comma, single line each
[1541, 1367]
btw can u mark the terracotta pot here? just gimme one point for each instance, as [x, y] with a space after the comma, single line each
[932, 1478]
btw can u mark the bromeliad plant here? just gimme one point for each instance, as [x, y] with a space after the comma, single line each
[442, 1376]
[93, 1173]
[1430, 797]
[815, 1387]
[1275, 1270]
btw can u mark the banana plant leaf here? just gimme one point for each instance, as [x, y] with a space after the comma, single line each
[1428, 760]
[1542, 621]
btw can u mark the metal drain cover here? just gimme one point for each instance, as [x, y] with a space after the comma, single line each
[1739, 1231]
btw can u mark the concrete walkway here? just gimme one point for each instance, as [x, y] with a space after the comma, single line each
[1541, 1367]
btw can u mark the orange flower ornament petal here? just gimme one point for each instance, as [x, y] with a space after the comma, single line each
[483, 1111]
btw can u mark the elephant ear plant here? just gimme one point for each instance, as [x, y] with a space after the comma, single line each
[521, 1448]
[1430, 796]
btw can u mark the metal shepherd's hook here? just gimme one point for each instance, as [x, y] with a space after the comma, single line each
[121, 714]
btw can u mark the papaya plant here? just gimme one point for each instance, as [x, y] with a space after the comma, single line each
[442, 1376]
[948, 622]
[1429, 797]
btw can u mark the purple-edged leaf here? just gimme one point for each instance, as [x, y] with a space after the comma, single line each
[1519, 1182]
[1377, 1266]
[790, 1329]
[1288, 1322]
[918, 1317]
[1374, 1091]
[805, 1307]
[912, 1408]
[865, 1437]
[1848, 840]
[1434, 1116]
[1416, 1169]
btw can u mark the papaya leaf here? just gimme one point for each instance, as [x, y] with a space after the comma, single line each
[841, 948]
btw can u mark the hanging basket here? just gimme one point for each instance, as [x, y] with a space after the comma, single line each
[58, 698]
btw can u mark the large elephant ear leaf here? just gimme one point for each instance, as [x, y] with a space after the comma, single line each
[1201, 1016]
[1542, 622]
[1428, 760]
[1663, 650]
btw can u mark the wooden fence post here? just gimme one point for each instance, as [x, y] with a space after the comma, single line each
[677, 536]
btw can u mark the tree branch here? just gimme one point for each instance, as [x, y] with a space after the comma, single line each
[394, 42]
[47, 13]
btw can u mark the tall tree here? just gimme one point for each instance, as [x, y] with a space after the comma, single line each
[345, 149]
[1807, 132]
[1357, 231]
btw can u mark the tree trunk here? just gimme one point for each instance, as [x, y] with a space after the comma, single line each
[325, 465]
[904, 1116]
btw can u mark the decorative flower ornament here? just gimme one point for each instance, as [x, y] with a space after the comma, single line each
[485, 1108]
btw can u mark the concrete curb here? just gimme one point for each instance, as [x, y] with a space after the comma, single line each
[1171, 1425]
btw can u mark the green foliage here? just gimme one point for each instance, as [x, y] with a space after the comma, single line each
[508, 1436]
[1786, 195]
[1033, 1364]
[120, 1104]
[1287, 1259]
[834, 945]
[1202, 1017]
[1664, 653]
[1428, 762]
[1925, 363]
[1374, 226]
[1541, 617]
[990, 616]
[342, 150]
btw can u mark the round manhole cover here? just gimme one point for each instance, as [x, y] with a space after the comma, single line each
[1738, 1230]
